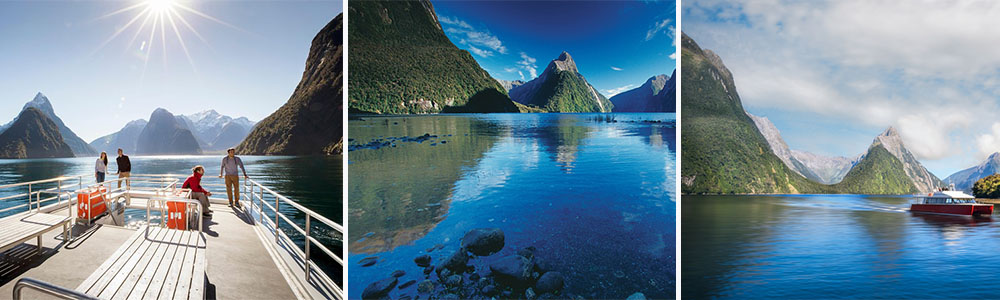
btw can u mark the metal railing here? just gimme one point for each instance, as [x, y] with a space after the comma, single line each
[47, 288]
[256, 192]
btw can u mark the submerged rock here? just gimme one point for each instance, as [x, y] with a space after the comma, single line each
[425, 286]
[514, 269]
[636, 296]
[428, 270]
[379, 288]
[407, 284]
[398, 273]
[549, 282]
[483, 241]
[529, 294]
[455, 262]
[368, 261]
[423, 260]
[454, 280]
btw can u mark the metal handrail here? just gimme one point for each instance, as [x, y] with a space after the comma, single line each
[49, 289]
[249, 185]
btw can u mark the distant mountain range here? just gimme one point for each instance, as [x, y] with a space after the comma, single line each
[727, 150]
[402, 62]
[561, 88]
[657, 94]
[964, 179]
[33, 135]
[212, 131]
[79, 147]
[311, 122]
[165, 134]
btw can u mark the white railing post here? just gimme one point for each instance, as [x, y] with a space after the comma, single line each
[308, 265]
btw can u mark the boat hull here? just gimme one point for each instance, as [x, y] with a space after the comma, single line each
[953, 209]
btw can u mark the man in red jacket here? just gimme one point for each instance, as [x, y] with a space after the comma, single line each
[194, 183]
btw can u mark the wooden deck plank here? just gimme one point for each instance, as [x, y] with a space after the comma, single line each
[184, 281]
[198, 276]
[155, 282]
[134, 257]
[147, 264]
[115, 258]
[20, 228]
[170, 282]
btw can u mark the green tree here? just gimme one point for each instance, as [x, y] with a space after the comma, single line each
[987, 187]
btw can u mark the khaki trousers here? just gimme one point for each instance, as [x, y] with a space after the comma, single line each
[233, 188]
[203, 199]
[128, 183]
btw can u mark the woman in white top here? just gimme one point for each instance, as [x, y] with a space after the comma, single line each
[102, 168]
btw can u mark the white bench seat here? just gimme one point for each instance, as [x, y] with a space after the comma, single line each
[154, 263]
[22, 227]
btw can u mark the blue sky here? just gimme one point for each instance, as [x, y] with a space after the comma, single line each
[831, 75]
[247, 68]
[617, 45]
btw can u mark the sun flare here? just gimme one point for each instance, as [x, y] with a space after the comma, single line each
[159, 22]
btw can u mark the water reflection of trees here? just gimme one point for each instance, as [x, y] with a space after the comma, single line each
[398, 194]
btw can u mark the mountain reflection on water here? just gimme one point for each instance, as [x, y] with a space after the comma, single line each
[595, 194]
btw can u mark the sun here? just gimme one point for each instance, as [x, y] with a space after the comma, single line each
[160, 6]
[159, 22]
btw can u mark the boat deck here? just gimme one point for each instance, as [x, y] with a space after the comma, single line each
[240, 266]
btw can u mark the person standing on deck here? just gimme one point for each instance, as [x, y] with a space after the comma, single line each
[197, 192]
[124, 169]
[229, 165]
[101, 169]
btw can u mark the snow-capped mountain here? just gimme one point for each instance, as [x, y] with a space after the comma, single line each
[215, 131]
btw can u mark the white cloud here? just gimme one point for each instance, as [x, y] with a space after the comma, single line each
[616, 68]
[929, 68]
[673, 56]
[522, 75]
[989, 143]
[657, 27]
[480, 41]
[510, 70]
[527, 63]
[618, 90]
[480, 52]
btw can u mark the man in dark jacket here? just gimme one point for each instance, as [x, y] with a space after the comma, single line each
[124, 169]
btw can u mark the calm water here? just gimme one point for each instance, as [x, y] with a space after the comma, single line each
[314, 182]
[596, 198]
[833, 246]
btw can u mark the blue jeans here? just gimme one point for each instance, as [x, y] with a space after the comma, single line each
[100, 177]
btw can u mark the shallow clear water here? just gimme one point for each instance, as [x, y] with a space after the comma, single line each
[833, 246]
[596, 198]
[314, 182]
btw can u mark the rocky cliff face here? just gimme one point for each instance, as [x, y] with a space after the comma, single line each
[165, 135]
[830, 169]
[780, 148]
[964, 179]
[561, 88]
[33, 135]
[655, 95]
[42, 103]
[311, 121]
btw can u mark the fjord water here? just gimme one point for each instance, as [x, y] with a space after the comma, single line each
[593, 193]
[833, 246]
[314, 182]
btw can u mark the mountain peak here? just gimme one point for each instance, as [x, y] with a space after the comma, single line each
[891, 131]
[40, 98]
[994, 156]
[564, 62]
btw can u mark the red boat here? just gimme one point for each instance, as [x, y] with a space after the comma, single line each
[952, 203]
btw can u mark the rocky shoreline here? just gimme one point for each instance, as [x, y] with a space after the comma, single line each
[464, 274]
